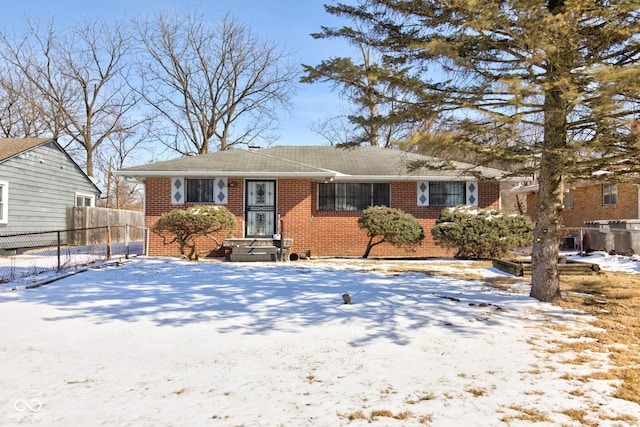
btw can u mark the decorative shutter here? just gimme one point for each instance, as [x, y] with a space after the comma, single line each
[178, 191]
[472, 193]
[220, 191]
[423, 193]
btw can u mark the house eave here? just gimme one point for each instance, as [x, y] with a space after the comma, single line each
[389, 178]
[320, 176]
[228, 174]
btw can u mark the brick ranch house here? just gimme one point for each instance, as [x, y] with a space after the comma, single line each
[316, 192]
[591, 201]
[591, 208]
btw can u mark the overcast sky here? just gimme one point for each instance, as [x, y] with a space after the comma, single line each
[289, 23]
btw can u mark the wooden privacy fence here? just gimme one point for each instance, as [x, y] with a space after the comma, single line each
[84, 221]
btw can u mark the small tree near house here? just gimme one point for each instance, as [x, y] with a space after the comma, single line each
[389, 225]
[185, 226]
[481, 233]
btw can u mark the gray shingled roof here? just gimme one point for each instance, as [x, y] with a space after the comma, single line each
[311, 161]
[10, 147]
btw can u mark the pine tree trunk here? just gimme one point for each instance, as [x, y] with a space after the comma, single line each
[545, 280]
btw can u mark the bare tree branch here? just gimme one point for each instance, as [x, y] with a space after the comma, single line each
[216, 86]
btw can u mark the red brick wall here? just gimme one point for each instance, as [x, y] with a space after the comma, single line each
[316, 233]
[587, 205]
[294, 207]
[337, 233]
[158, 201]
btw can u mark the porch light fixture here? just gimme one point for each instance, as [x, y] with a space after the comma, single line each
[328, 180]
[232, 184]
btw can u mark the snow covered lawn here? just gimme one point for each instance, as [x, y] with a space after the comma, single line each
[162, 342]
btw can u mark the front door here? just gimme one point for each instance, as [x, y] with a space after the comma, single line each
[260, 208]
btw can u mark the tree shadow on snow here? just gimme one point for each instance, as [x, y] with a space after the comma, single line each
[257, 298]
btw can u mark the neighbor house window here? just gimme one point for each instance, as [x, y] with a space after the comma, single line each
[567, 200]
[4, 202]
[206, 190]
[352, 196]
[85, 200]
[447, 193]
[609, 194]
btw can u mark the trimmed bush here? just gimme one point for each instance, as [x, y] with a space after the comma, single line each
[481, 233]
[184, 226]
[394, 226]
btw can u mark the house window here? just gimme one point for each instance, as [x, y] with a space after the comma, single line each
[199, 190]
[352, 196]
[609, 194]
[4, 202]
[568, 199]
[85, 200]
[447, 193]
[206, 190]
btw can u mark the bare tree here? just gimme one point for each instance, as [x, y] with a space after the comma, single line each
[79, 77]
[22, 111]
[120, 147]
[216, 85]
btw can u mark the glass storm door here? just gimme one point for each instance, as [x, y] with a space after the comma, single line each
[261, 208]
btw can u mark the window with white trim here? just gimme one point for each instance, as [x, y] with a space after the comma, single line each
[206, 190]
[445, 193]
[85, 199]
[352, 197]
[609, 194]
[4, 202]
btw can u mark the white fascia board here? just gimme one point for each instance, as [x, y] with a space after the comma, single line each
[524, 189]
[321, 175]
[388, 178]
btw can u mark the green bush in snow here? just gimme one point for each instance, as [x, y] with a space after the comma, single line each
[481, 233]
[184, 226]
[389, 225]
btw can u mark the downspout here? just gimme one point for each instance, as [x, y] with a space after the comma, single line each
[638, 202]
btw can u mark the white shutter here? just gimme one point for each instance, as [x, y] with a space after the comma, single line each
[178, 191]
[472, 193]
[423, 193]
[220, 191]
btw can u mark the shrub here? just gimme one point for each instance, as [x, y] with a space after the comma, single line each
[389, 225]
[481, 233]
[184, 226]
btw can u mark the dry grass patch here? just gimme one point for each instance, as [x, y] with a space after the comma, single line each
[477, 392]
[421, 398]
[377, 413]
[614, 301]
[578, 415]
[525, 414]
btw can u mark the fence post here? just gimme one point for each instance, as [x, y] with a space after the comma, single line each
[108, 242]
[59, 244]
[126, 241]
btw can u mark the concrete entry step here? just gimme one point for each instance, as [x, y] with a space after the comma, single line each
[254, 253]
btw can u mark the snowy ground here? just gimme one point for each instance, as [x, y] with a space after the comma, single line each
[162, 342]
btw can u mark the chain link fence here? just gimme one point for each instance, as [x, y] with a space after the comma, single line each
[27, 255]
